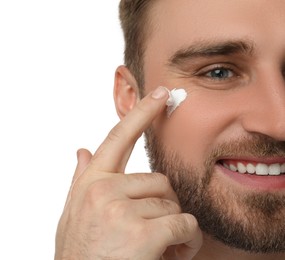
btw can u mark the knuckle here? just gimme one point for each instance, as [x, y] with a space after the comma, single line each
[191, 221]
[176, 208]
[160, 179]
[116, 210]
[181, 225]
[118, 217]
[98, 190]
[113, 134]
[159, 203]
[142, 230]
[154, 177]
[139, 177]
[164, 184]
[167, 205]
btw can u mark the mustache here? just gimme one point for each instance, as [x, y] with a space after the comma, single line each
[251, 145]
[255, 145]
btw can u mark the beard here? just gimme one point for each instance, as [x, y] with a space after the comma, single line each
[253, 221]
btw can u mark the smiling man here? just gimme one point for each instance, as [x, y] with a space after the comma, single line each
[219, 159]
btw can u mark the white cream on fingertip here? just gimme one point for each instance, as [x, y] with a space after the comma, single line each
[176, 97]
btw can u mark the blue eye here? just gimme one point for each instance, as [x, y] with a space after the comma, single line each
[220, 73]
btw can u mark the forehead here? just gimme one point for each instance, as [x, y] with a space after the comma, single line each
[178, 23]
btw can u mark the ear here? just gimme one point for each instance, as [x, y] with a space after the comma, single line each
[126, 93]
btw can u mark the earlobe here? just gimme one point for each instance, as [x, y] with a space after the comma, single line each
[125, 91]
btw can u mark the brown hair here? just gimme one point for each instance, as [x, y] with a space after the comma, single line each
[135, 24]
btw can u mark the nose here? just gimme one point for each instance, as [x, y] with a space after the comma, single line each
[264, 110]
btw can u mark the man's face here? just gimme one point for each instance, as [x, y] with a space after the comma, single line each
[230, 58]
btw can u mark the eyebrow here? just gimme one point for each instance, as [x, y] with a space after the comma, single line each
[209, 49]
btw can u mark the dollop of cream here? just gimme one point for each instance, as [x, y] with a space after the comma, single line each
[176, 97]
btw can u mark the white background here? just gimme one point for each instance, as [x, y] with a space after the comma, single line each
[57, 63]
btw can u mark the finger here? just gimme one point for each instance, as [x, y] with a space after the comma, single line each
[150, 208]
[114, 152]
[182, 230]
[83, 159]
[145, 185]
[129, 186]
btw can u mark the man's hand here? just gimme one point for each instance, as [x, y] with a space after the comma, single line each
[111, 215]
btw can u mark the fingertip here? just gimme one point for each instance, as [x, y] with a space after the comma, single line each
[160, 93]
[78, 152]
[83, 158]
[83, 153]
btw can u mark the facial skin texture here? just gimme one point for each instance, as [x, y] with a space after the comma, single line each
[237, 113]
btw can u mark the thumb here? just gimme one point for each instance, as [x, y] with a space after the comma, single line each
[185, 238]
[183, 251]
[189, 249]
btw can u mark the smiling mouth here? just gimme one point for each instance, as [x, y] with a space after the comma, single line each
[254, 167]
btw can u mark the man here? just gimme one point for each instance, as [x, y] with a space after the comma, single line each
[219, 158]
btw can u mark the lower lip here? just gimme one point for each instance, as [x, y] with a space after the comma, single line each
[255, 181]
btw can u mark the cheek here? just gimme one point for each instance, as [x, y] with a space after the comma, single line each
[201, 122]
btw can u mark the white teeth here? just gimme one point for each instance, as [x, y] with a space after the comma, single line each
[226, 166]
[250, 168]
[241, 168]
[274, 169]
[233, 168]
[283, 168]
[259, 169]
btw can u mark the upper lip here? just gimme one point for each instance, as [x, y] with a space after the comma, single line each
[247, 159]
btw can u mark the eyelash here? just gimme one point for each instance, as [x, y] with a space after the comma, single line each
[230, 71]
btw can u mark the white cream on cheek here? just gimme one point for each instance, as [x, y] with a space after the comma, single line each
[176, 97]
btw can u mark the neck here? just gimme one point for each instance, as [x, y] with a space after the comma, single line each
[214, 250]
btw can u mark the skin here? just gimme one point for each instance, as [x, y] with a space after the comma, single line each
[109, 214]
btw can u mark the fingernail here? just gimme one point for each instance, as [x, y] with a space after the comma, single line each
[159, 93]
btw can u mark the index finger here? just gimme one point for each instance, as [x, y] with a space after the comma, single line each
[114, 152]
